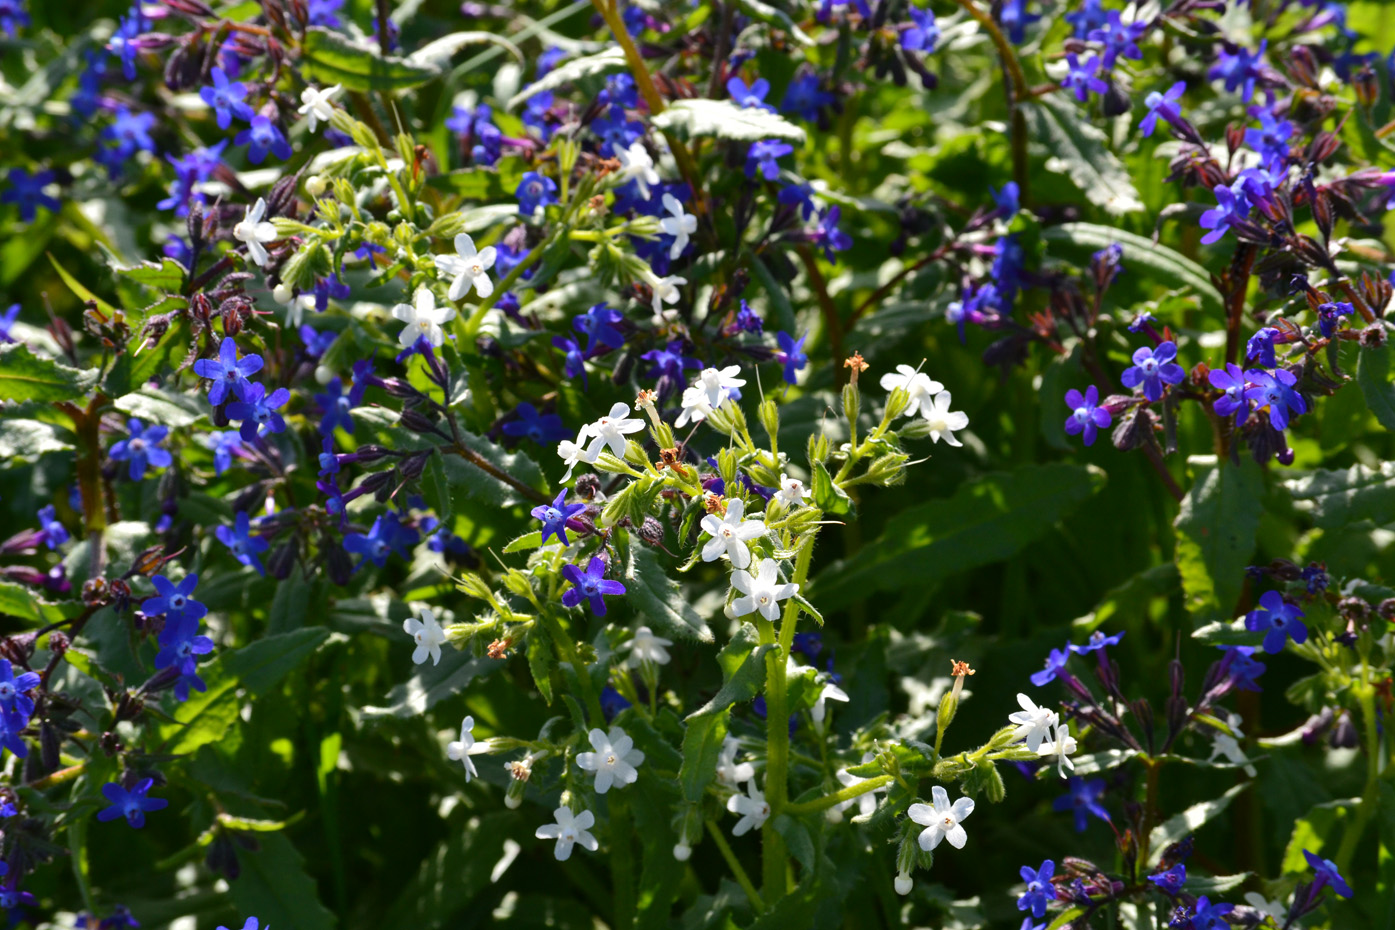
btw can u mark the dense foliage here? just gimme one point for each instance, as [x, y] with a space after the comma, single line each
[717, 464]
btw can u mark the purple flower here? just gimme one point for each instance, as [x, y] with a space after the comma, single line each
[802, 196]
[761, 158]
[325, 13]
[1082, 78]
[228, 373]
[7, 322]
[1270, 140]
[1083, 798]
[1208, 916]
[746, 321]
[1326, 874]
[11, 738]
[53, 531]
[1243, 668]
[573, 362]
[223, 445]
[14, 700]
[258, 412]
[1055, 666]
[130, 132]
[181, 642]
[132, 804]
[791, 354]
[591, 586]
[13, 16]
[1007, 200]
[1239, 69]
[1039, 891]
[336, 405]
[804, 97]
[141, 449]
[238, 538]
[749, 95]
[827, 234]
[554, 518]
[1097, 642]
[123, 41]
[1088, 18]
[1275, 391]
[1014, 19]
[1330, 317]
[263, 136]
[1232, 207]
[1152, 368]
[923, 34]
[1086, 416]
[27, 192]
[1164, 105]
[1280, 619]
[176, 602]
[1261, 346]
[386, 536]
[600, 324]
[227, 98]
[1231, 383]
[542, 428]
[669, 362]
[1120, 39]
[1171, 881]
[535, 191]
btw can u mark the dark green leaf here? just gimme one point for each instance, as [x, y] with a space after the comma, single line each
[26, 376]
[330, 58]
[828, 497]
[659, 600]
[1158, 263]
[260, 666]
[1373, 374]
[1216, 528]
[1187, 822]
[1076, 147]
[275, 886]
[168, 275]
[1342, 497]
[432, 684]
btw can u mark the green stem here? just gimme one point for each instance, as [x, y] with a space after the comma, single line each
[622, 863]
[734, 864]
[1370, 797]
[566, 651]
[1017, 93]
[838, 797]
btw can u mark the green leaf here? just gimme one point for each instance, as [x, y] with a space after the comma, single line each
[1175, 828]
[798, 840]
[606, 62]
[435, 487]
[774, 292]
[828, 497]
[1319, 827]
[260, 666]
[541, 661]
[525, 542]
[1158, 263]
[454, 872]
[206, 716]
[1076, 148]
[766, 13]
[470, 483]
[702, 746]
[26, 376]
[436, 55]
[168, 408]
[1373, 374]
[168, 275]
[748, 676]
[1215, 884]
[987, 520]
[432, 684]
[23, 440]
[659, 600]
[725, 120]
[1342, 497]
[78, 288]
[275, 886]
[330, 58]
[1216, 528]
[290, 605]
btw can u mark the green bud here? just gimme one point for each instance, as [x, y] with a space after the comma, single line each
[804, 520]
[567, 152]
[818, 449]
[769, 415]
[405, 148]
[607, 461]
[1002, 739]
[888, 470]
[311, 261]
[852, 402]
[949, 706]
[518, 583]
[474, 586]
[908, 854]
[646, 226]
[763, 474]
[634, 454]
[447, 226]
[896, 403]
[916, 429]
[726, 467]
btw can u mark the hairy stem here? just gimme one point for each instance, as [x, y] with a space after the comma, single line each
[840, 796]
[734, 864]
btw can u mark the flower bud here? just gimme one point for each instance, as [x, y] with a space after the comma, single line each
[682, 852]
[896, 403]
[769, 415]
[903, 883]
[818, 449]
[283, 293]
[315, 186]
[852, 402]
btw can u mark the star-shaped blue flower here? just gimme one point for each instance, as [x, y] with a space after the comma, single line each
[1278, 620]
[133, 804]
[554, 517]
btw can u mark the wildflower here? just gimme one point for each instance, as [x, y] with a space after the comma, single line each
[130, 132]
[1270, 140]
[8, 317]
[228, 373]
[574, 453]
[245, 547]
[1231, 382]
[1274, 910]
[919, 388]
[1086, 416]
[1081, 79]
[176, 602]
[610, 430]
[1039, 891]
[336, 406]
[942, 421]
[1279, 618]
[664, 291]
[941, 820]
[669, 362]
[791, 490]
[1326, 874]
[1243, 667]
[749, 95]
[1082, 797]
[819, 712]
[13, 17]
[227, 98]
[1061, 746]
[922, 35]
[423, 318]
[51, 529]
[730, 772]
[1152, 368]
[1275, 391]
[600, 324]
[573, 357]
[1330, 317]
[223, 445]
[141, 448]
[1171, 881]
[257, 412]
[695, 407]
[679, 224]
[132, 804]
[1232, 207]
[1055, 666]
[1164, 105]
[1033, 723]
[181, 642]
[1120, 40]
[761, 158]
[1227, 745]
[534, 192]
[637, 166]
[542, 428]
[317, 105]
[251, 923]
[569, 830]
[428, 636]
[1014, 18]
[255, 233]
[805, 98]
[554, 517]
[461, 750]
[263, 137]
[1097, 642]
[591, 586]
[644, 647]
[13, 697]
[1239, 69]
[615, 760]
[1208, 916]
[730, 534]
[1088, 18]
[791, 355]
[468, 267]
[866, 803]
[1261, 346]
[752, 807]
[763, 590]
[11, 735]
[27, 193]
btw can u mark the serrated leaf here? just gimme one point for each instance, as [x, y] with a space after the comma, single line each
[1216, 529]
[1187, 822]
[725, 120]
[606, 62]
[470, 483]
[541, 661]
[828, 497]
[261, 665]
[330, 58]
[659, 600]
[1076, 148]
[1350, 495]
[26, 376]
[1168, 268]
[80, 289]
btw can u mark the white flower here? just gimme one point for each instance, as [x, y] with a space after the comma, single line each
[752, 808]
[729, 534]
[830, 692]
[665, 291]
[1033, 723]
[637, 166]
[1274, 909]
[719, 384]
[730, 772]
[680, 224]
[695, 407]
[423, 318]
[611, 429]
[462, 751]
[614, 760]
[1061, 747]
[1229, 746]
[568, 831]
[316, 105]
[467, 267]
[903, 883]
[917, 384]
[646, 647]
[866, 803]
[943, 421]
[254, 232]
[791, 490]
[763, 591]
[941, 821]
[574, 453]
[428, 636]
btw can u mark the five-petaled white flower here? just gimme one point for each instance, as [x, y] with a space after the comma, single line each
[423, 319]
[729, 534]
[791, 490]
[611, 429]
[665, 291]
[468, 268]
[466, 747]
[574, 453]
[428, 636]
[695, 407]
[751, 806]
[942, 821]
[942, 421]
[569, 830]
[730, 772]
[680, 225]
[763, 591]
[1061, 746]
[866, 803]
[819, 712]
[719, 383]
[317, 105]
[1229, 746]
[1033, 723]
[255, 232]
[918, 386]
[614, 761]
[1274, 909]
[644, 647]
[637, 166]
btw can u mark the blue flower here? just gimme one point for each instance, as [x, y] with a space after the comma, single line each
[245, 547]
[1239, 69]
[141, 449]
[227, 98]
[384, 537]
[1088, 18]
[264, 136]
[542, 428]
[181, 642]
[535, 191]
[600, 324]
[327, 289]
[612, 702]
[590, 586]
[1098, 642]
[1164, 105]
[1007, 200]
[130, 132]
[1275, 391]
[1120, 39]
[1261, 346]
[1152, 368]
[1327, 874]
[923, 34]
[7, 322]
[1242, 667]
[1280, 619]
[53, 531]
[745, 321]
[749, 95]
[336, 405]
[27, 192]
[554, 517]
[11, 728]
[1014, 19]
[791, 354]
[325, 13]
[804, 97]
[1082, 78]
[1083, 798]
[175, 601]
[132, 804]
[827, 234]
[1231, 382]
[1330, 317]
[14, 700]
[228, 373]
[1055, 665]
[1270, 140]
[799, 195]
[669, 362]
[1232, 208]
[123, 41]
[223, 445]
[258, 412]
[574, 357]
[13, 15]
[1208, 916]
[317, 342]
[761, 158]
[1171, 881]
[1039, 891]
[1086, 416]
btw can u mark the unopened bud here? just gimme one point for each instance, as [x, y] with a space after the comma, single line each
[903, 883]
[315, 185]
[283, 293]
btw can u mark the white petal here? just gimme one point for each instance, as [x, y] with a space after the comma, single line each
[957, 836]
